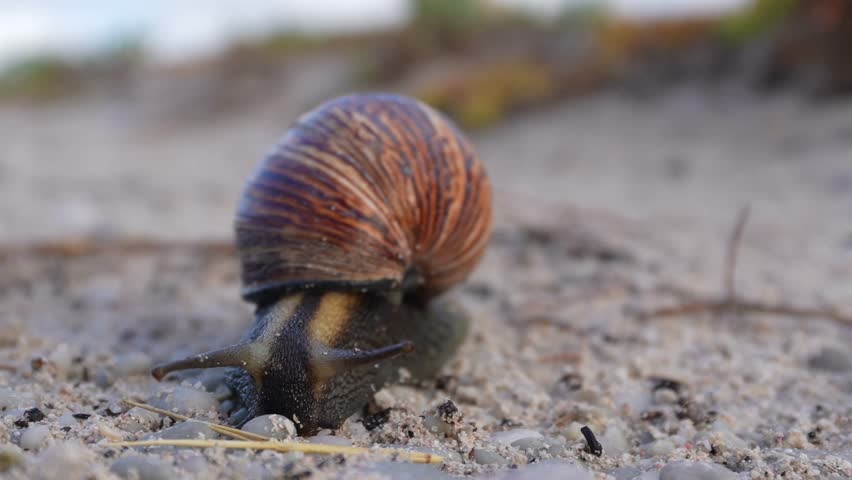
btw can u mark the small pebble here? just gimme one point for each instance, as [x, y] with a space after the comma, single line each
[273, 426]
[69, 460]
[727, 439]
[109, 432]
[685, 470]
[114, 410]
[665, 396]
[62, 358]
[376, 420]
[831, 360]
[11, 456]
[659, 448]
[212, 378]
[549, 470]
[33, 415]
[614, 440]
[142, 468]
[487, 457]
[34, 437]
[572, 431]
[435, 424]
[187, 401]
[12, 399]
[104, 378]
[67, 420]
[533, 446]
[190, 429]
[238, 416]
[625, 473]
[441, 419]
[408, 471]
[196, 465]
[511, 436]
[132, 363]
[384, 399]
[330, 440]
[649, 475]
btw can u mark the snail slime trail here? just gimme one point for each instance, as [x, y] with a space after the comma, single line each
[369, 208]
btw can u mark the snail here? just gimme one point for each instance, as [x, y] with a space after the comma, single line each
[369, 208]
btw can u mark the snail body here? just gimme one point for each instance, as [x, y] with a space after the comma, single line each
[370, 207]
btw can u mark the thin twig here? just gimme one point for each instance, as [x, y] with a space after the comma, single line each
[85, 246]
[718, 306]
[415, 457]
[731, 302]
[221, 429]
[733, 249]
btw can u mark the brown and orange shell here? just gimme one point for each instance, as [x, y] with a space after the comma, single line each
[366, 191]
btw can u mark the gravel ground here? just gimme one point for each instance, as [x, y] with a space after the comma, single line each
[605, 208]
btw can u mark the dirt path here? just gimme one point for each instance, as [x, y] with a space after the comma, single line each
[606, 206]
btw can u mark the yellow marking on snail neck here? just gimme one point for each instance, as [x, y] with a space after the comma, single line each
[331, 317]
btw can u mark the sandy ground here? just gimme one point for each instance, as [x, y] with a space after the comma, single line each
[605, 207]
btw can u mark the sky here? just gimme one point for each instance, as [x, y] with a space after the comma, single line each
[176, 29]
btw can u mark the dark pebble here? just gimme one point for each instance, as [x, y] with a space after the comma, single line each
[572, 381]
[81, 416]
[447, 409]
[37, 363]
[659, 383]
[33, 415]
[593, 446]
[376, 420]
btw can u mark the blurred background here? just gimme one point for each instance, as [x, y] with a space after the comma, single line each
[142, 118]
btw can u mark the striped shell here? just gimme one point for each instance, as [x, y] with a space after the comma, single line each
[365, 191]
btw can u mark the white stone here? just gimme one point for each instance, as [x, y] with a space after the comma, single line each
[142, 468]
[132, 363]
[34, 437]
[550, 470]
[330, 440]
[273, 426]
[696, 471]
[511, 436]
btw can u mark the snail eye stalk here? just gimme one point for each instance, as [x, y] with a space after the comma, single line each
[243, 355]
[329, 361]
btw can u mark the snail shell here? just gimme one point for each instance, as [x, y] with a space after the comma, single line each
[365, 191]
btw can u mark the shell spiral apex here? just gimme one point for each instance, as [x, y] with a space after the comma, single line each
[366, 190]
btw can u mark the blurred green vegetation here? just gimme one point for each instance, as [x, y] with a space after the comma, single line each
[757, 19]
[50, 77]
[581, 16]
[485, 95]
[482, 60]
[447, 15]
[39, 78]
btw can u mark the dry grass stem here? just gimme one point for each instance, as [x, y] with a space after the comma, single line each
[279, 446]
[731, 302]
[247, 440]
[220, 429]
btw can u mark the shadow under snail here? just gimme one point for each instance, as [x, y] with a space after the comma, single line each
[369, 208]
